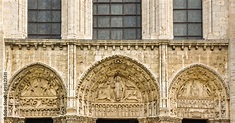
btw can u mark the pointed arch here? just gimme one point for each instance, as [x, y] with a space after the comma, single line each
[117, 80]
[173, 79]
[198, 90]
[36, 64]
[87, 72]
[36, 90]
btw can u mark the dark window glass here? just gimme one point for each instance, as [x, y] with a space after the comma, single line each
[103, 9]
[32, 4]
[195, 4]
[116, 34]
[103, 34]
[117, 19]
[187, 19]
[44, 18]
[116, 9]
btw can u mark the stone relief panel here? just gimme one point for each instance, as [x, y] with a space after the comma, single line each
[198, 93]
[36, 91]
[117, 87]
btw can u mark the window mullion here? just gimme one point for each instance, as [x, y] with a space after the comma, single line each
[51, 19]
[110, 19]
[187, 18]
[123, 20]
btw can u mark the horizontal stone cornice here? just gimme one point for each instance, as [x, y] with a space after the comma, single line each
[129, 44]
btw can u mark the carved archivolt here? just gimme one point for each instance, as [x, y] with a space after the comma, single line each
[118, 87]
[36, 91]
[198, 92]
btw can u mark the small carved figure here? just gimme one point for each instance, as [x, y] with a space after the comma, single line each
[118, 88]
[103, 92]
[194, 89]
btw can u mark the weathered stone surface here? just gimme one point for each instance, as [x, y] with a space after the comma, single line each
[76, 79]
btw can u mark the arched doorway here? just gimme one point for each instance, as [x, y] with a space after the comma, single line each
[118, 87]
[36, 91]
[198, 93]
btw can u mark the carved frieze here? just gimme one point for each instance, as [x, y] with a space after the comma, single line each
[117, 110]
[193, 103]
[41, 102]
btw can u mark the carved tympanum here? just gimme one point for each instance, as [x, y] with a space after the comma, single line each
[118, 87]
[195, 89]
[39, 87]
[36, 91]
[198, 92]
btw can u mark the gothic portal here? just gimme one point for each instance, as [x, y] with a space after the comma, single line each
[36, 91]
[197, 92]
[118, 87]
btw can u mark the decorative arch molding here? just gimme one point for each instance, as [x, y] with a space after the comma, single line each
[198, 91]
[225, 85]
[36, 91]
[33, 64]
[118, 86]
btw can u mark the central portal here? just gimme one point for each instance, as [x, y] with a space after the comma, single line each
[38, 120]
[117, 121]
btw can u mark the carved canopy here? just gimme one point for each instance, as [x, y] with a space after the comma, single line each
[198, 92]
[36, 91]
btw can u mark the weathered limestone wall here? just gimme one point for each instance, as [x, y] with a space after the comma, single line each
[154, 16]
[2, 50]
[19, 57]
[164, 59]
[15, 18]
[215, 19]
[77, 19]
[232, 58]
[157, 19]
[71, 59]
[89, 54]
[215, 57]
[86, 57]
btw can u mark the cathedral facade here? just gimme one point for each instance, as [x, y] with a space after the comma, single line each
[129, 61]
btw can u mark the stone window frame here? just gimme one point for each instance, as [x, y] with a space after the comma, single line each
[137, 27]
[187, 22]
